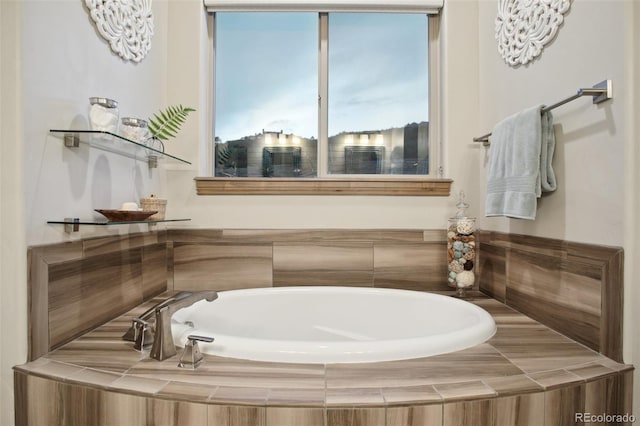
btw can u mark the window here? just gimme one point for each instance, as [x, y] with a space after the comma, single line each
[378, 103]
[303, 94]
[266, 95]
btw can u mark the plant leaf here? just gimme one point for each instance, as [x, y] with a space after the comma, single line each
[166, 123]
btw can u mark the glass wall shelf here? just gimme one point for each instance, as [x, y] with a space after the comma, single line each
[73, 224]
[111, 142]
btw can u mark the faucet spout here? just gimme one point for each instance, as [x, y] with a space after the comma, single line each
[163, 346]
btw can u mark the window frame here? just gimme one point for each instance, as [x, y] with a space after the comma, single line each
[325, 183]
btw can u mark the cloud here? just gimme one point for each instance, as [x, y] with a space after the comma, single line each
[268, 80]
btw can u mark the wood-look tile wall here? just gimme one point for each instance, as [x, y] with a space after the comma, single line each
[44, 401]
[232, 259]
[74, 287]
[576, 289]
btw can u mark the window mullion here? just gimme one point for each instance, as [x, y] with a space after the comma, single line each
[323, 93]
[210, 162]
[436, 161]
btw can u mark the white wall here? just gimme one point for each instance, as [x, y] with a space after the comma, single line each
[632, 194]
[460, 100]
[13, 271]
[596, 156]
[52, 62]
[590, 140]
[65, 62]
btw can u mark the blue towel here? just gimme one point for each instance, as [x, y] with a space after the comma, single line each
[519, 167]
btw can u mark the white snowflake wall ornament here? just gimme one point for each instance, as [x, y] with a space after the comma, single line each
[525, 27]
[127, 25]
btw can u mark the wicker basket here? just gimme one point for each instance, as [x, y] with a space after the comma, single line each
[153, 203]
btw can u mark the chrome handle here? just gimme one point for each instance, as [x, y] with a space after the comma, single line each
[191, 357]
[142, 334]
[139, 326]
[195, 338]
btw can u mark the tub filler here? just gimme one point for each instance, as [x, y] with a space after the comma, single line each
[323, 325]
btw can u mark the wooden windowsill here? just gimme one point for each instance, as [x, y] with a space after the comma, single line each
[426, 187]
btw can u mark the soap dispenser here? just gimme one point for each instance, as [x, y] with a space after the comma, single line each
[461, 249]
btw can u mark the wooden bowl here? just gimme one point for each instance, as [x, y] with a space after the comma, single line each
[126, 215]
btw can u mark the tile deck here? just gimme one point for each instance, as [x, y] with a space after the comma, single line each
[523, 357]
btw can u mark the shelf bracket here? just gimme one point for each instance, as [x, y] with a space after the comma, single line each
[73, 226]
[152, 160]
[71, 140]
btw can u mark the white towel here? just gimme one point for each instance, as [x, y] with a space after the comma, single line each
[519, 168]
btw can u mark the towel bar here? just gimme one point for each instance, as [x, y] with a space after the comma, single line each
[600, 92]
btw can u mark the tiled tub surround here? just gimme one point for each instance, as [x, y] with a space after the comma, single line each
[229, 259]
[77, 286]
[527, 374]
[571, 287]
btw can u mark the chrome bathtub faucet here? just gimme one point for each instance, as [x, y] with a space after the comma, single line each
[141, 323]
[163, 346]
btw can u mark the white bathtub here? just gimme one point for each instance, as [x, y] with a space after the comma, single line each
[332, 324]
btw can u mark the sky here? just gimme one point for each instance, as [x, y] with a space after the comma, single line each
[267, 72]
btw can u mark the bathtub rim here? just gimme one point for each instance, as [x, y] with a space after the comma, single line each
[333, 352]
